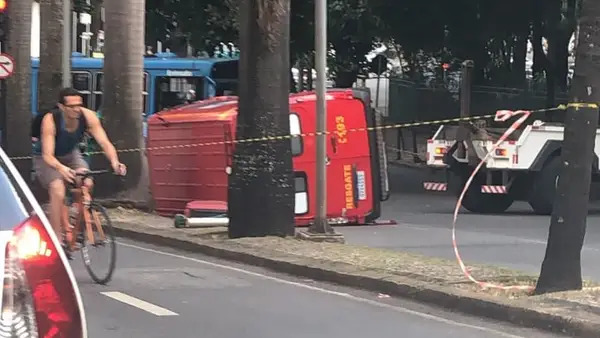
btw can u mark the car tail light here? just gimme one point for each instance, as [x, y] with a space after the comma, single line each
[39, 298]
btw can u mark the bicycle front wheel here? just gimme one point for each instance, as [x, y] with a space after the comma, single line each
[99, 249]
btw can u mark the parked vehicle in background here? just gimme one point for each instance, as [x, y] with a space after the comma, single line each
[168, 80]
[357, 171]
[524, 167]
[40, 295]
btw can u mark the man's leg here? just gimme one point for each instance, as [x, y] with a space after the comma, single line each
[78, 163]
[56, 191]
[52, 181]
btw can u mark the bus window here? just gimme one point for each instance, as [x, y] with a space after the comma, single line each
[295, 129]
[225, 75]
[82, 82]
[226, 88]
[145, 93]
[301, 193]
[99, 89]
[173, 91]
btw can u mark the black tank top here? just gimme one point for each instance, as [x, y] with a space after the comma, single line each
[66, 141]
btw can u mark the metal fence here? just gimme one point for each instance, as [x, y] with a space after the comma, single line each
[410, 101]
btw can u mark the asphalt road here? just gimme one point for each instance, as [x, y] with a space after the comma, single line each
[515, 239]
[160, 292]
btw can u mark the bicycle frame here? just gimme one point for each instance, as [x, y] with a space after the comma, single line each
[81, 200]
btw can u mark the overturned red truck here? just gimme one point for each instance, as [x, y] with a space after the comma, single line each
[190, 153]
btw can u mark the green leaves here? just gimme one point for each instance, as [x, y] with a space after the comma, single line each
[205, 23]
[448, 31]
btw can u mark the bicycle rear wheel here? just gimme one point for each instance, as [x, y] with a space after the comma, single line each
[101, 270]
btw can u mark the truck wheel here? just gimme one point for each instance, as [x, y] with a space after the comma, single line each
[543, 190]
[477, 202]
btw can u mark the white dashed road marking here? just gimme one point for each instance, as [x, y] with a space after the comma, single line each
[140, 304]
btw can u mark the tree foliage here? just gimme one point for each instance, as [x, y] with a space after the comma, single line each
[203, 24]
[493, 34]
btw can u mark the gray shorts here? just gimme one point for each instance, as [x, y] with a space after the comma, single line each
[45, 174]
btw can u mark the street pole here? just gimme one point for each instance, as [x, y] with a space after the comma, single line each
[465, 107]
[378, 81]
[321, 230]
[66, 51]
[321, 224]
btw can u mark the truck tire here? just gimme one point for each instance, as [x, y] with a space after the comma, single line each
[477, 202]
[543, 189]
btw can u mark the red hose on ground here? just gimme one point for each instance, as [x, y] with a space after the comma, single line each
[501, 115]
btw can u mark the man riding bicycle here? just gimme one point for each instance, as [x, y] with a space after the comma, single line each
[60, 159]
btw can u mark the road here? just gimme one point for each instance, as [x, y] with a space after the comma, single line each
[515, 239]
[177, 294]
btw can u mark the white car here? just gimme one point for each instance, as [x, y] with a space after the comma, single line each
[40, 297]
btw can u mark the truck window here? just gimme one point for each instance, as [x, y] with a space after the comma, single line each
[174, 91]
[301, 193]
[295, 129]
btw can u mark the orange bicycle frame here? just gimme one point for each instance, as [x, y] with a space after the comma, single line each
[81, 200]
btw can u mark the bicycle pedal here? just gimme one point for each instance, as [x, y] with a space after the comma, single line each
[67, 252]
[98, 243]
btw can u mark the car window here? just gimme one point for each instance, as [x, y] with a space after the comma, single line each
[12, 209]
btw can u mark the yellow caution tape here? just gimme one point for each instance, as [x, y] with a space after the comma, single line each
[575, 105]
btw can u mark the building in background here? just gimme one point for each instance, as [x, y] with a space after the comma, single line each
[81, 32]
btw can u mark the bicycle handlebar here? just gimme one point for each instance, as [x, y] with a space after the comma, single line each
[89, 173]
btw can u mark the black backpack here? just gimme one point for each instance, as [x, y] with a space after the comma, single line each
[36, 124]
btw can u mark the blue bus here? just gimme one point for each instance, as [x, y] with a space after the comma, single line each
[168, 80]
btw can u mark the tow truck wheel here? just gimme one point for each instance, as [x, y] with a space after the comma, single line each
[477, 202]
[543, 190]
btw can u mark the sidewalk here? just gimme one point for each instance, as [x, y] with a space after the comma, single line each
[431, 280]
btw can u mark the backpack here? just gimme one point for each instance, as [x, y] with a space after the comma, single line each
[36, 124]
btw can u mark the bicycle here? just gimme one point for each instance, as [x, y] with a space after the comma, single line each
[87, 230]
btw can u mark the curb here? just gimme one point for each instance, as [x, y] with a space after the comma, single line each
[430, 294]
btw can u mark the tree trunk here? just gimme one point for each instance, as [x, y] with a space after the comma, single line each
[51, 47]
[18, 113]
[261, 188]
[123, 84]
[519, 65]
[539, 58]
[562, 60]
[561, 268]
[96, 25]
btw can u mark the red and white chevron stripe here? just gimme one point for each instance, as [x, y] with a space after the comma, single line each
[493, 189]
[435, 186]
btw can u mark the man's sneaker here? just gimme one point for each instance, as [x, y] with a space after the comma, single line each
[67, 252]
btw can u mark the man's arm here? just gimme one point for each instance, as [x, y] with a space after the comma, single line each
[98, 133]
[48, 134]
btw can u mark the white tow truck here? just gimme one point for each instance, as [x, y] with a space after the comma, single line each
[524, 167]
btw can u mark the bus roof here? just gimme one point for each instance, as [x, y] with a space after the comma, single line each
[204, 65]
